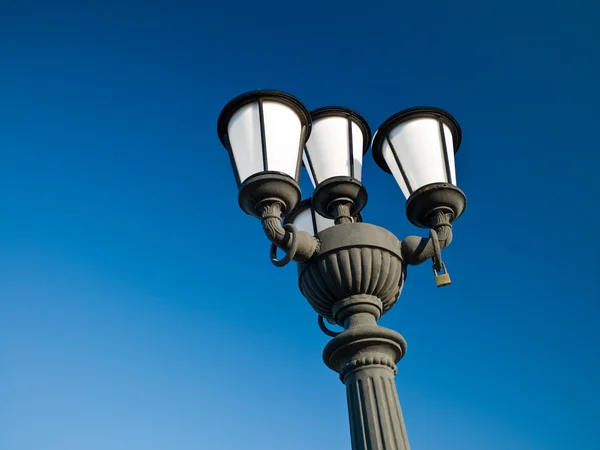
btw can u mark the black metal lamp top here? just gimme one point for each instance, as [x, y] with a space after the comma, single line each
[410, 114]
[264, 133]
[417, 147]
[269, 133]
[242, 100]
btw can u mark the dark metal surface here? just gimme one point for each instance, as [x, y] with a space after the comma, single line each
[365, 356]
[353, 273]
[353, 259]
[324, 328]
[416, 250]
[299, 246]
[293, 247]
[339, 189]
[269, 187]
[426, 200]
[306, 204]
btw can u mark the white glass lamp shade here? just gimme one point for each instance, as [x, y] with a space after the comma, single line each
[338, 140]
[305, 218]
[417, 147]
[264, 131]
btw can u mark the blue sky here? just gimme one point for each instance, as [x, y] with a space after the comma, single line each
[138, 307]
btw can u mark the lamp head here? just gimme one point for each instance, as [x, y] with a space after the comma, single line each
[264, 133]
[333, 157]
[417, 147]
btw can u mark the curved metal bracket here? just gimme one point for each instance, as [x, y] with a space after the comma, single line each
[417, 250]
[324, 328]
[437, 255]
[289, 256]
[298, 245]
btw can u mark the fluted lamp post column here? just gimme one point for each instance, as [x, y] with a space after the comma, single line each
[351, 272]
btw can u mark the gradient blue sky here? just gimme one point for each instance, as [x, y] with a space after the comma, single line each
[138, 307]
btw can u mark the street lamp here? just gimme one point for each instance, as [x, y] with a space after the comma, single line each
[350, 272]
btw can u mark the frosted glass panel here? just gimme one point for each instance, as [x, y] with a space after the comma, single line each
[245, 140]
[305, 161]
[450, 149]
[357, 154]
[419, 149]
[323, 223]
[303, 222]
[328, 149]
[391, 162]
[283, 130]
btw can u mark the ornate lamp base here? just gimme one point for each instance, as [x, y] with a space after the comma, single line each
[356, 277]
[354, 258]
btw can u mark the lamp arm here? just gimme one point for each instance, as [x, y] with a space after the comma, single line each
[301, 244]
[417, 250]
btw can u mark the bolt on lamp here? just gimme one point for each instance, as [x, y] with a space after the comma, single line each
[351, 272]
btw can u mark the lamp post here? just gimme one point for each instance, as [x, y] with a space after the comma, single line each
[350, 272]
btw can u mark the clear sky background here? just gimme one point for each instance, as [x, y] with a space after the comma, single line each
[138, 306]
